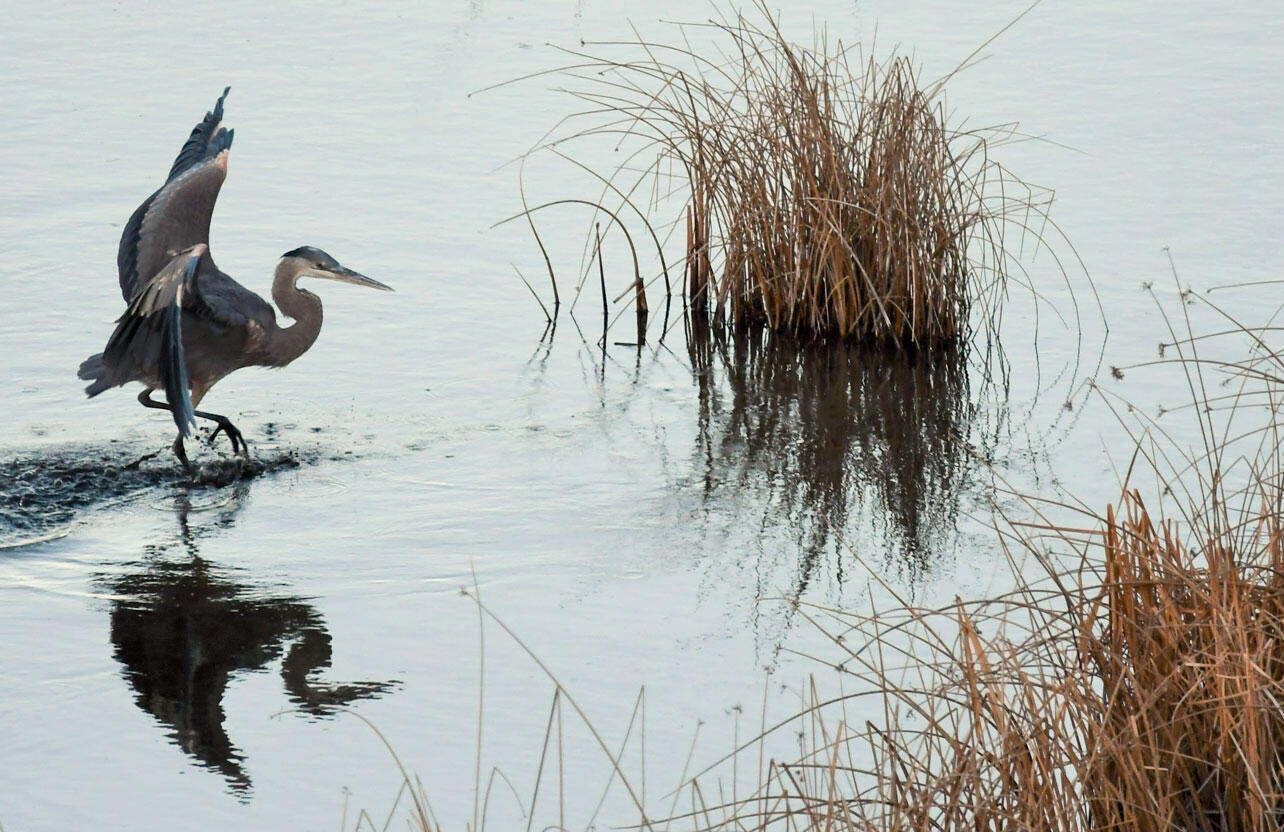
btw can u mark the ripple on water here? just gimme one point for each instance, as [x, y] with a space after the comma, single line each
[44, 493]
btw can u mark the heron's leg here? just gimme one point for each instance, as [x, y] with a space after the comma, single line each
[181, 453]
[145, 398]
[225, 425]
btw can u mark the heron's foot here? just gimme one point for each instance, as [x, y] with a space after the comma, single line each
[224, 425]
[181, 453]
[233, 436]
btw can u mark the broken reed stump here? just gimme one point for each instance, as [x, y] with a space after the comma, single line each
[643, 311]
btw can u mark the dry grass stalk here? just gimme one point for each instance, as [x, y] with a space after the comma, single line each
[824, 193]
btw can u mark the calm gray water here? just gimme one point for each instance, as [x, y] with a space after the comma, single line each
[168, 654]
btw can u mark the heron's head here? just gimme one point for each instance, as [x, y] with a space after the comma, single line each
[307, 261]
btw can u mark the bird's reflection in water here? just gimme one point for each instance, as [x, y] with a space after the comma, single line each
[182, 627]
[839, 442]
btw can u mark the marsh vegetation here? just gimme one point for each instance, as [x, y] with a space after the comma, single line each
[816, 190]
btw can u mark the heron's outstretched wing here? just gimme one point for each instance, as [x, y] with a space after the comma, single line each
[177, 216]
[149, 337]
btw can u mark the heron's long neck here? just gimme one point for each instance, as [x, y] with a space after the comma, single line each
[288, 343]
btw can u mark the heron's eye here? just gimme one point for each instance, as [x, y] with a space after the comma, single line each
[319, 266]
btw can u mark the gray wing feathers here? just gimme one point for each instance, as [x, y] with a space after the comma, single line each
[127, 255]
[149, 337]
[178, 215]
[221, 300]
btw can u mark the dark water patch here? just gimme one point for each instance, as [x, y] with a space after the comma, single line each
[42, 493]
[182, 627]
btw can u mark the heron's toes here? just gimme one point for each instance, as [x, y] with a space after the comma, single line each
[233, 436]
[237, 440]
[133, 466]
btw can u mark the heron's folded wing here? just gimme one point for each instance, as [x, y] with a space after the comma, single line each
[177, 216]
[221, 300]
[149, 336]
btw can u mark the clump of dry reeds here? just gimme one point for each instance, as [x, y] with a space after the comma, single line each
[834, 203]
[822, 192]
[1191, 668]
[1146, 698]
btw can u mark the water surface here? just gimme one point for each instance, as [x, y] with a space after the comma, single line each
[168, 651]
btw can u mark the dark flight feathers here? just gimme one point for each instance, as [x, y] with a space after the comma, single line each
[206, 140]
[150, 333]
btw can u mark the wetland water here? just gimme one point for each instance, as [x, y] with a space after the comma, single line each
[168, 652]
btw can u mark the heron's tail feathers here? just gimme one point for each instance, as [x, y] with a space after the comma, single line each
[93, 369]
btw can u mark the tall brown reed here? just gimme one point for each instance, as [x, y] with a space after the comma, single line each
[823, 193]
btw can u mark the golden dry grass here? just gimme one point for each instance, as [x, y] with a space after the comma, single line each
[821, 192]
[1143, 693]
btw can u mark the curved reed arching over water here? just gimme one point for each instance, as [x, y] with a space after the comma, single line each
[821, 192]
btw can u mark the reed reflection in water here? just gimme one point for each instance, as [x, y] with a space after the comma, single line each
[839, 442]
[183, 627]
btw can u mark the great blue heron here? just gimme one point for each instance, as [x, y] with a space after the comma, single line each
[187, 324]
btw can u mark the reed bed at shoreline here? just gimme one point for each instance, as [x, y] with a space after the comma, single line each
[1132, 680]
[814, 190]
[1139, 690]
